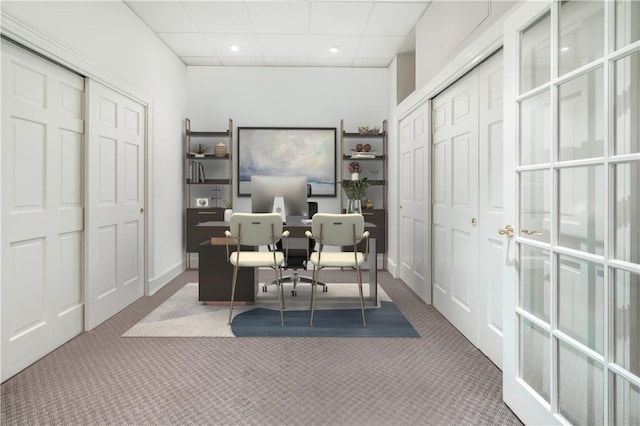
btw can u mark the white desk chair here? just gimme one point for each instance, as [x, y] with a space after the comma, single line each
[338, 230]
[256, 229]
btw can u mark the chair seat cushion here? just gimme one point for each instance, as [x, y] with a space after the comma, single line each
[337, 259]
[253, 259]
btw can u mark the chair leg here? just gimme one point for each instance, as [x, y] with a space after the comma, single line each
[314, 290]
[279, 287]
[364, 322]
[233, 293]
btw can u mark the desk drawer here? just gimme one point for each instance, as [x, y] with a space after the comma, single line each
[195, 234]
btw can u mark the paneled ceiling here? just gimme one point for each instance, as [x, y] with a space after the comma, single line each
[284, 33]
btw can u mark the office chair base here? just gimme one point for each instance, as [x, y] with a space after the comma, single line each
[295, 279]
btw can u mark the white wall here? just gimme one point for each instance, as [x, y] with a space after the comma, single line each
[447, 28]
[110, 36]
[298, 97]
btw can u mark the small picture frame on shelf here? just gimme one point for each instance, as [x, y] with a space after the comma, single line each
[202, 202]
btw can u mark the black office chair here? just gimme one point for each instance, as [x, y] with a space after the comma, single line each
[297, 260]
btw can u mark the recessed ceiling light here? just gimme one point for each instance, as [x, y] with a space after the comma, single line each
[234, 48]
[564, 49]
[334, 49]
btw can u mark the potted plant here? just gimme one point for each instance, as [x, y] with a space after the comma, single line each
[355, 168]
[355, 191]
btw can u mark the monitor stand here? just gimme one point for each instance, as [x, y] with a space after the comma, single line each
[278, 207]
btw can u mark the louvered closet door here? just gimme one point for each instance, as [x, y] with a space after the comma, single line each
[42, 207]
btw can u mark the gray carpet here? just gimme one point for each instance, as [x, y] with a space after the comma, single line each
[101, 378]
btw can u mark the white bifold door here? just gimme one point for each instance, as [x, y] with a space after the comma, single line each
[42, 207]
[572, 194]
[467, 200]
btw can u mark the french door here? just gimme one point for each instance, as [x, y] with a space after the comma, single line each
[572, 195]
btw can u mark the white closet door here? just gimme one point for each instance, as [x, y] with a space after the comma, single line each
[115, 202]
[490, 244]
[414, 207]
[455, 205]
[42, 207]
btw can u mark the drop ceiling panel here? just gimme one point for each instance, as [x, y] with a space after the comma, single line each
[284, 33]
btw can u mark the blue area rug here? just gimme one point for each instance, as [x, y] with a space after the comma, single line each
[383, 321]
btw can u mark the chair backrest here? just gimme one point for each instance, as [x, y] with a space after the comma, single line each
[337, 229]
[256, 229]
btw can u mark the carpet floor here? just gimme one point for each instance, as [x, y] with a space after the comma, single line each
[101, 378]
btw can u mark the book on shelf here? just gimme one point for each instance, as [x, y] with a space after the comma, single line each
[196, 172]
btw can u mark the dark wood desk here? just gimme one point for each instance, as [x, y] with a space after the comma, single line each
[215, 275]
[297, 230]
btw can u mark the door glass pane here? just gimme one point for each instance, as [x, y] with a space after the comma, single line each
[581, 210]
[535, 130]
[581, 33]
[627, 103]
[627, 212]
[535, 54]
[534, 357]
[580, 301]
[534, 281]
[580, 385]
[581, 117]
[535, 209]
[626, 410]
[626, 317]
[627, 22]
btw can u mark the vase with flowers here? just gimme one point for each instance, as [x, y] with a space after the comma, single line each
[355, 190]
[355, 168]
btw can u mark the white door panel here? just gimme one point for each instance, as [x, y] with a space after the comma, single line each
[115, 199]
[414, 211]
[467, 206]
[42, 207]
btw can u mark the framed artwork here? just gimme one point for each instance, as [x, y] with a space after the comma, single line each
[288, 151]
[202, 202]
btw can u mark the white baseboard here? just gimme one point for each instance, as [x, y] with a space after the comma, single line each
[159, 282]
[392, 268]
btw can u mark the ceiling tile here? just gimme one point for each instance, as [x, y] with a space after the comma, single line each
[394, 18]
[371, 63]
[279, 17]
[378, 46]
[247, 44]
[187, 44]
[330, 62]
[219, 16]
[319, 46]
[284, 45]
[347, 18]
[163, 17]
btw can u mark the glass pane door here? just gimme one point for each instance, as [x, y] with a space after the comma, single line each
[577, 210]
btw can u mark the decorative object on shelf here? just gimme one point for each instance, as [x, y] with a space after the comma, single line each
[202, 202]
[359, 147]
[228, 211]
[355, 168]
[355, 190]
[220, 150]
[366, 130]
[199, 149]
[369, 204]
[367, 147]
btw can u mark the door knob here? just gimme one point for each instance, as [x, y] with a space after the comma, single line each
[507, 230]
[526, 231]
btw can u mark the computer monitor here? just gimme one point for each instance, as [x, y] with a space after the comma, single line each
[286, 195]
